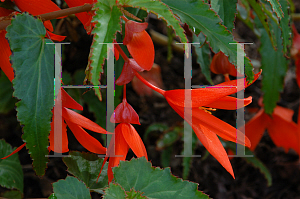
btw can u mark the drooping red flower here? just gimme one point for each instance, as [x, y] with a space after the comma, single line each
[205, 125]
[125, 136]
[221, 65]
[76, 123]
[139, 43]
[280, 126]
[84, 17]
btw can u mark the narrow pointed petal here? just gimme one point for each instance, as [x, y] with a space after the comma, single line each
[124, 113]
[133, 140]
[132, 27]
[84, 17]
[61, 143]
[72, 116]
[205, 96]
[55, 37]
[255, 128]
[85, 139]
[284, 133]
[213, 145]
[221, 128]
[69, 102]
[15, 151]
[5, 12]
[230, 103]
[5, 53]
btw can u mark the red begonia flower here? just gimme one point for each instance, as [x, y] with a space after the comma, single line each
[280, 126]
[139, 43]
[221, 65]
[75, 122]
[84, 17]
[125, 136]
[205, 125]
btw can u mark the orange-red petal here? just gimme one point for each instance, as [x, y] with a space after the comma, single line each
[54, 37]
[86, 140]
[133, 140]
[5, 53]
[230, 103]
[283, 132]
[255, 128]
[68, 101]
[213, 145]
[62, 143]
[72, 116]
[36, 7]
[141, 49]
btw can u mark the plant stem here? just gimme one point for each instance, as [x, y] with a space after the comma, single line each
[124, 56]
[54, 15]
[161, 91]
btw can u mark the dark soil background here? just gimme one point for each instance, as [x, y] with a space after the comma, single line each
[212, 178]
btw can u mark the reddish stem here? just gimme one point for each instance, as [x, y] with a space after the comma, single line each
[161, 91]
[124, 18]
[124, 56]
[124, 92]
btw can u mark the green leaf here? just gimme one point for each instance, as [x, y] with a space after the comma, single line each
[71, 188]
[11, 175]
[226, 11]
[153, 182]
[187, 161]
[161, 10]
[276, 8]
[12, 194]
[200, 17]
[107, 21]
[165, 157]
[274, 66]
[203, 55]
[114, 191]
[7, 102]
[86, 167]
[244, 13]
[260, 10]
[33, 63]
[285, 27]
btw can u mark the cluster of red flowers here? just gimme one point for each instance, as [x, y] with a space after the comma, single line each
[141, 48]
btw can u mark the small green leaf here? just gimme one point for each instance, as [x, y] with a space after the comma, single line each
[114, 191]
[52, 196]
[155, 127]
[285, 27]
[200, 17]
[276, 8]
[7, 102]
[165, 157]
[86, 167]
[203, 55]
[226, 11]
[162, 11]
[253, 160]
[274, 66]
[153, 182]
[71, 188]
[33, 64]
[11, 175]
[168, 138]
[187, 161]
[107, 21]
